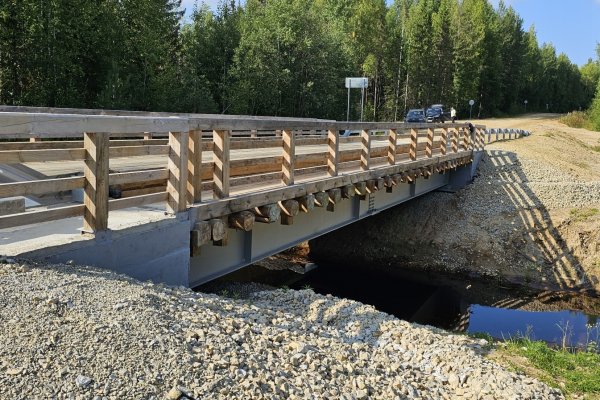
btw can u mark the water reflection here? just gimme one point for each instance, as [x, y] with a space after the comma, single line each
[457, 304]
[573, 328]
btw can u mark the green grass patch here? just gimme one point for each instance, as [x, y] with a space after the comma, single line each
[581, 215]
[574, 372]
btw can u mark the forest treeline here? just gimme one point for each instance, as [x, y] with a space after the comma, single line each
[283, 57]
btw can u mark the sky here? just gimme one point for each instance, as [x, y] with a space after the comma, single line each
[573, 26]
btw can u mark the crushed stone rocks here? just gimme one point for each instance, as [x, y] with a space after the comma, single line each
[71, 332]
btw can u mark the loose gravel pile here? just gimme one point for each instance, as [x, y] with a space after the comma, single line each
[82, 333]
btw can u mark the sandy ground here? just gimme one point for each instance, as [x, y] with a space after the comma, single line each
[531, 216]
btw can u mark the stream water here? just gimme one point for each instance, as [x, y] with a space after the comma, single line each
[462, 305]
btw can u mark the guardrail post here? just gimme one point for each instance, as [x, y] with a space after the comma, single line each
[95, 197]
[289, 157]
[392, 146]
[333, 154]
[194, 179]
[466, 138]
[221, 140]
[481, 139]
[444, 141]
[454, 140]
[365, 153]
[429, 144]
[177, 192]
[414, 141]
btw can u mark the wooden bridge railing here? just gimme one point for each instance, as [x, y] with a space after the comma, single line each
[223, 185]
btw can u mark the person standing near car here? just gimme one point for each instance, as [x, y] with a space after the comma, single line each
[453, 114]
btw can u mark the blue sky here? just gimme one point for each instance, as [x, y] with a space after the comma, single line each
[573, 26]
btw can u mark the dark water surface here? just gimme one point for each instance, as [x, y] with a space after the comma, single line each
[456, 304]
[460, 305]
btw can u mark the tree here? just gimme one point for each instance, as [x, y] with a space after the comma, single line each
[595, 110]
[288, 63]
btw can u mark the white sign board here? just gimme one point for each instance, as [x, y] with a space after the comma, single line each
[471, 102]
[357, 83]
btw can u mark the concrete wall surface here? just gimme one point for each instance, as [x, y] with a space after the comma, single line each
[157, 251]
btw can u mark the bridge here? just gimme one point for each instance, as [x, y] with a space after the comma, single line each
[186, 198]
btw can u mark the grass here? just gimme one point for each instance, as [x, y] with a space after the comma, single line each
[582, 215]
[573, 372]
[577, 119]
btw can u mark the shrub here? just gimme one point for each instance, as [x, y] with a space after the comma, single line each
[576, 119]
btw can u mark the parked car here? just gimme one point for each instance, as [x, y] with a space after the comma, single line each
[436, 113]
[349, 133]
[415, 115]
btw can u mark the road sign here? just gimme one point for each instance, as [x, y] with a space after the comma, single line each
[357, 83]
[471, 102]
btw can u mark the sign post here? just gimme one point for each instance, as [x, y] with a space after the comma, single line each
[525, 102]
[356, 83]
[471, 102]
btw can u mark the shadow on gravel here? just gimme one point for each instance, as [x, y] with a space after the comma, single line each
[546, 248]
[498, 224]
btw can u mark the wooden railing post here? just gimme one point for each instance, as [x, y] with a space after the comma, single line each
[466, 138]
[95, 197]
[289, 157]
[194, 184]
[454, 140]
[444, 141]
[177, 191]
[480, 134]
[392, 146]
[333, 154]
[414, 141]
[221, 140]
[429, 144]
[365, 153]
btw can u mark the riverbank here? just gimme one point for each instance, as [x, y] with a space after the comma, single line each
[531, 217]
[81, 332]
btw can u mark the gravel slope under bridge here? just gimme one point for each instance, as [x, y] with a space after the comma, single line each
[83, 333]
[530, 217]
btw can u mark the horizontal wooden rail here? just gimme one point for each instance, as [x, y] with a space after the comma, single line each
[311, 153]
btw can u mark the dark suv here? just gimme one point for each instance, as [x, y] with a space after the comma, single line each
[415, 115]
[436, 113]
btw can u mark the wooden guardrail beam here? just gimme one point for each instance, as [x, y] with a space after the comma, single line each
[95, 189]
[289, 156]
[221, 164]
[333, 153]
[194, 168]
[392, 146]
[429, 143]
[178, 170]
[365, 153]
[444, 141]
[454, 140]
[414, 137]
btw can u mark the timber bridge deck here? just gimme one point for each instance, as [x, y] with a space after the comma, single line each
[221, 191]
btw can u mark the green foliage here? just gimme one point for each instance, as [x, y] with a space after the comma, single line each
[595, 111]
[287, 62]
[289, 58]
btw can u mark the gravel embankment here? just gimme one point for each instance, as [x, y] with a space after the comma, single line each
[82, 333]
[530, 217]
